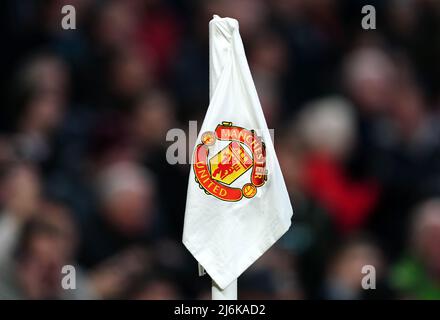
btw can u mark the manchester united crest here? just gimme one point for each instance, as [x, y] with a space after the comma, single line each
[230, 162]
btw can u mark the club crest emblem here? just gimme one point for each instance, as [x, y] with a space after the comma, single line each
[230, 162]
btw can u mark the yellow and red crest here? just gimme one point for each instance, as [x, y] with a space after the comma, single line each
[220, 175]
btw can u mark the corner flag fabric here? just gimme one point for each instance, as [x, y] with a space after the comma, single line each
[237, 204]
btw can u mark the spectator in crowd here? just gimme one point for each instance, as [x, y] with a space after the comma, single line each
[127, 212]
[38, 107]
[343, 279]
[38, 239]
[327, 128]
[21, 191]
[416, 276]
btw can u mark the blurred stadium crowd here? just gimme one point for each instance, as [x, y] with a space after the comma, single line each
[84, 114]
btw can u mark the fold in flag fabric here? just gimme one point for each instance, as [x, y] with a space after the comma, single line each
[237, 203]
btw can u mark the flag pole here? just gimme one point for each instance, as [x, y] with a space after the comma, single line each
[215, 66]
[229, 293]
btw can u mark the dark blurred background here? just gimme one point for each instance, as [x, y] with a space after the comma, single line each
[84, 114]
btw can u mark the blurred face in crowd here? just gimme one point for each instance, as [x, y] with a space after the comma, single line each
[408, 110]
[426, 236]
[158, 290]
[127, 198]
[39, 272]
[152, 118]
[21, 191]
[46, 73]
[269, 53]
[59, 218]
[130, 73]
[46, 79]
[403, 15]
[327, 127]
[268, 62]
[345, 272]
[116, 24]
[50, 244]
[250, 13]
[369, 77]
[289, 9]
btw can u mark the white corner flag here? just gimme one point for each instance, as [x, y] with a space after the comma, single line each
[237, 204]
